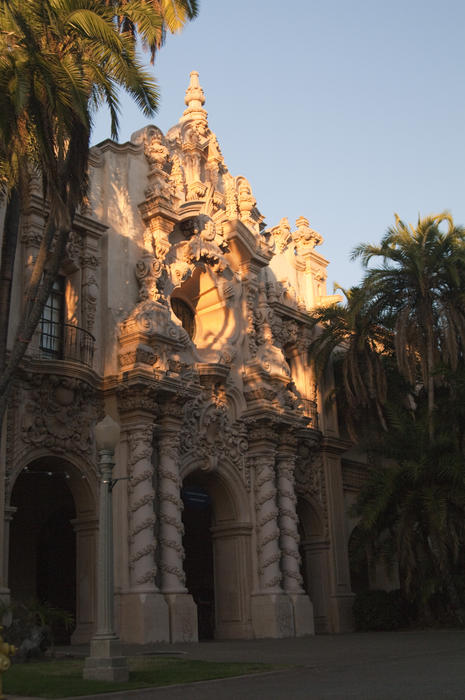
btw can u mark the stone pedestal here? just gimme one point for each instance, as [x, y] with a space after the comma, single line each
[144, 617]
[183, 617]
[303, 614]
[272, 615]
[105, 662]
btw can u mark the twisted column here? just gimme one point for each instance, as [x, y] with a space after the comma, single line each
[267, 531]
[142, 543]
[288, 520]
[171, 507]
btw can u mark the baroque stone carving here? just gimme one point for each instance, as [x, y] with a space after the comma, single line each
[60, 414]
[309, 476]
[305, 238]
[210, 435]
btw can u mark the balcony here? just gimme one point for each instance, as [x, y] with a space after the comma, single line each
[64, 341]
[310, 410]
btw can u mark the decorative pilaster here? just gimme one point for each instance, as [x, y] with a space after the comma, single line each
[289, 535]
[182, 609]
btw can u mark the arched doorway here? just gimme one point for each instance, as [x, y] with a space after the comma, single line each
[314, 551]
[52, 543]
[217, 563]
[198, 549]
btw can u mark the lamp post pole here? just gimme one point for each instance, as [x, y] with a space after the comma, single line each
[105, 661]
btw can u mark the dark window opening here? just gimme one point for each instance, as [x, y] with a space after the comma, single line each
[185, 314]
[52, 321]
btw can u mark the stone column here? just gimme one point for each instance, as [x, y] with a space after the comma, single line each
[341, 598]
[144, 613]
[272, 613]
[141, 508]
[86, 529]
[289, 536]
[182, 609]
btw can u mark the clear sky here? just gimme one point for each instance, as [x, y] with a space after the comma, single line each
[343, 112]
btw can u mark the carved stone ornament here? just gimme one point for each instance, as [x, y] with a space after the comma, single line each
[210, 435]
[305, 238]
[281, 235]
[155, 150]
[60, 414]
[137, 397]
[309, 475]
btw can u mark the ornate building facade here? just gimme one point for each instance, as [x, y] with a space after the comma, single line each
[186, 319]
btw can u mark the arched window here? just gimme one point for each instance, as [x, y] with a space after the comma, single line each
[185, 314]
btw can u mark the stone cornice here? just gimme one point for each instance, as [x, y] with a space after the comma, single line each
[62, 368]
[290, 312]
[334, 445]
[236, 232]
[114, 147]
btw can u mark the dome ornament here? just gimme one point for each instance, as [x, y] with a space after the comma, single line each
[194, 100]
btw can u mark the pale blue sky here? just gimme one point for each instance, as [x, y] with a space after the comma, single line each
[343, 112]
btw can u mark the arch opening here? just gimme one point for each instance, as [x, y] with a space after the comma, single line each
[314, 552]
[49, 562]
[217, 556]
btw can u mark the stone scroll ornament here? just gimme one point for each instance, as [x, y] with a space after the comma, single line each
[142, 543]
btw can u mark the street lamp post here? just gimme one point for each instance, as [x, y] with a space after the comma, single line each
[105, 661]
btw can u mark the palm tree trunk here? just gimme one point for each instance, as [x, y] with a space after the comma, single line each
[9, 243]
[35, 306]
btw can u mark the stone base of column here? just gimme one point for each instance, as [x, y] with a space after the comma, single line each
[144, 617]
[303, 614]
[272, 615]
[341, 616]
[105, 662]
[183, 617]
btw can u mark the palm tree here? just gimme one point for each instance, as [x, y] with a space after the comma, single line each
[60, 59]
[151, 19]
[420, 292]
[351, 335]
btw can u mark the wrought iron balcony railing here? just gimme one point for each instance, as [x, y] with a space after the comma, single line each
[310, 409]
[64, 341]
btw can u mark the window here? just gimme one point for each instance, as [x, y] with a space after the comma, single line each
[52, 321]
[185, 314]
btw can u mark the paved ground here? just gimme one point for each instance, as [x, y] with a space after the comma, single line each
[418, 665]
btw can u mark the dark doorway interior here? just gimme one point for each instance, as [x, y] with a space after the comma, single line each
[42, 563]
[198, 564]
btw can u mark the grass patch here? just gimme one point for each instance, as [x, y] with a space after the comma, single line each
[63, 678]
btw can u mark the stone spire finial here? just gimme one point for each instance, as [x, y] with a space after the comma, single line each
[195, 96]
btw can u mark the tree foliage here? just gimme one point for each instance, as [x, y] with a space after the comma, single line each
[398, 340]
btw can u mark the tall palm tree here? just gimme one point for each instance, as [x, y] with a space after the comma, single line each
[351, 334]
[60, 59]
[419, 290]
